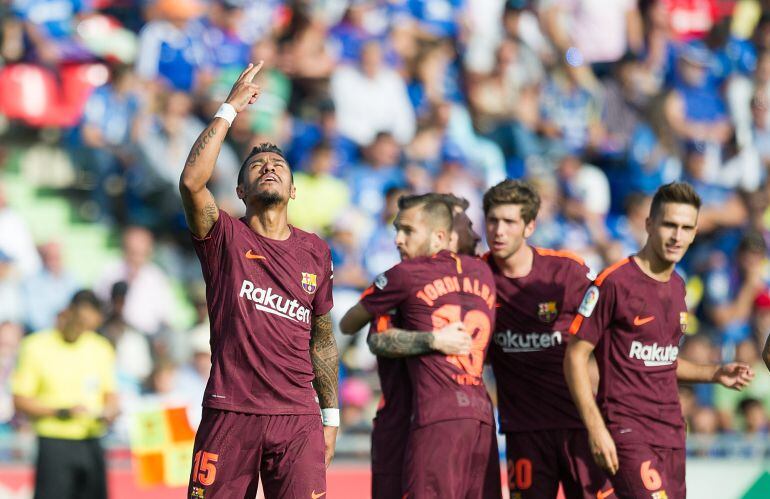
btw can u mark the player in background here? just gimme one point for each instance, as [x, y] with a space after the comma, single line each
[269, 293]
[452, 451]
[538, 294]
[394, 414]
[632, 319]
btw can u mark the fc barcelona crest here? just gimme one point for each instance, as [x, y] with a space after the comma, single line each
[683, 320]
[309, 282]
[547, 312]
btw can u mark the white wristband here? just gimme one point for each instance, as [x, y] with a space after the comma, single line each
[330, 417]
[227, 112]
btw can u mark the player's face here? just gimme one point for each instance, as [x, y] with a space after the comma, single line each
[506, 230]
[672, 231]
[267, 180]
[414, 234]
[467, 238]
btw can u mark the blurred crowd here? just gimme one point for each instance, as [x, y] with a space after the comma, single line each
[597, 102]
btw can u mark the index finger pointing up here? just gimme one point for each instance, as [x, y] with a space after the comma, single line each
[255, 70]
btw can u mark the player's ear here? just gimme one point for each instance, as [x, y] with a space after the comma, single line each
[454, 240]
[529, 229]
[293, 191]
[240, 192]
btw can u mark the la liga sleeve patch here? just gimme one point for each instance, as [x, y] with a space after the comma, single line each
[588, 304]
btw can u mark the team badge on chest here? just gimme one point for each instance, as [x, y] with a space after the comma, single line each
[546, 311]
[683, 319]
[309, 282]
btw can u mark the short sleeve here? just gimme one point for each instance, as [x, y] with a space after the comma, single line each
[594, 313]
[581, 278]
[387, 292]
[323, 300]
[25, 380]
[211, 248]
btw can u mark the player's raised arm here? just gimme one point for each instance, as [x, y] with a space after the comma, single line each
[200, 208]
[576, 368]
[325, 359]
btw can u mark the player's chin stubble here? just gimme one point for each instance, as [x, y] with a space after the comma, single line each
[268, 198]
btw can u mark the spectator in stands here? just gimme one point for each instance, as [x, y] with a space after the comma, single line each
[754, 416]
[321, 197]
[18, 244]
[10, 338]
[731, 289]
[164, 147]
[47, 293]
[371, 98]
[695, 107]
[379, 170]
[225, 48]
[355, 397]
[65, 383]
[50, 29]
[570, 114]
[108, 134]
[11, 302]
[194, 374]
[170, 48]
[149, 301]
[133, 359]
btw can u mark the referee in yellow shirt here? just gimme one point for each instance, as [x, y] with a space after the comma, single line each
[65, 382]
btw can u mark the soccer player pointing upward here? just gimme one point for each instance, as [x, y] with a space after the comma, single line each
[633, 318]
[269, 293]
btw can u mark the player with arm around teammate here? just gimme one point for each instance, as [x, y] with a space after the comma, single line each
[394, 413]
[452, 451]
[632, 319]
[269, 293]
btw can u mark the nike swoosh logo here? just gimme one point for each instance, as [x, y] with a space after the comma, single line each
[253, 256]
[604, 494]
[313, 495]
[641, 322]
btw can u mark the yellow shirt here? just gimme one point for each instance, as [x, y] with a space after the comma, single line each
[60, 374]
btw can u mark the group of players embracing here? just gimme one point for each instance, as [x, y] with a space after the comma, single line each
[537, 316]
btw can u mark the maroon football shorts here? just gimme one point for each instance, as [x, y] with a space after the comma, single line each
[233, 449]
[388, 451]
[452, 460]
[539, 460]
[650, 472]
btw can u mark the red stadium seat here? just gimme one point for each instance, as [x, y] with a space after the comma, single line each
[35, 95]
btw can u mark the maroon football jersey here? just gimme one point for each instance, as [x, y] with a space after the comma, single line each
[636, 324]
[394, 413]
[534, 313]
[262, 294]
[429, 293]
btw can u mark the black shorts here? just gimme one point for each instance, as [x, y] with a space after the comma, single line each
[70, 468]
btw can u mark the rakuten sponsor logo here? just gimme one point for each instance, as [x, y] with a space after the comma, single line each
[654, 355]
[512, 342]
[266, 300]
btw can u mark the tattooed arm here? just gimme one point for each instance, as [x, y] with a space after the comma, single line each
[200, 209]
[453, 339]
[325, 359]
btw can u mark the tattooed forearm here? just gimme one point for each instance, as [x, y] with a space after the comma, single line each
[400, 343]
[200, 145]
[325, 359]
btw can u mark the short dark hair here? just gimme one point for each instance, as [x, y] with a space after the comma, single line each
[674, 192]
[85, 297]
[262, 148]
[514, 192]
[753, 242]
[455, 201]
[438, 211]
